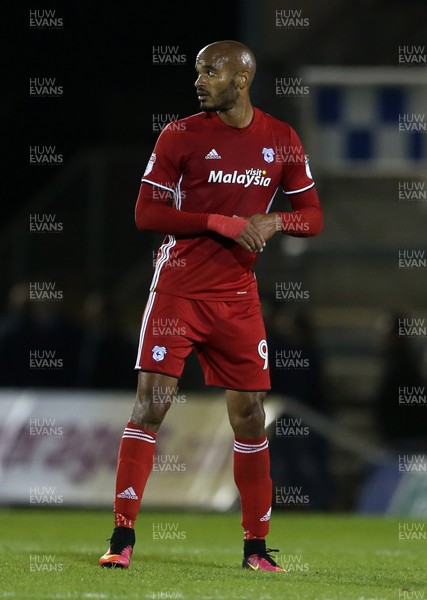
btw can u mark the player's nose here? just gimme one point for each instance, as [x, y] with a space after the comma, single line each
[199, 81]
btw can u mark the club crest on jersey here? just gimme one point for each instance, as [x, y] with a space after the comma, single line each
[159, 353]
[268, 154]
[150, 164]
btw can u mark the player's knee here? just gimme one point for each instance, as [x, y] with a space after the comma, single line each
[151, 403]
[249, 420]
[149, 412]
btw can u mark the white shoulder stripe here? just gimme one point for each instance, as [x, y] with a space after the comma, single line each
[301, 190]
[164, 187]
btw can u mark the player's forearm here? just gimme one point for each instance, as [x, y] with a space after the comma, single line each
[168, 220]
[155, 215]
[152, 213]
[305, 222]
[306, 219]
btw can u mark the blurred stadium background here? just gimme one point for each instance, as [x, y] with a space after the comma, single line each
[346, 310]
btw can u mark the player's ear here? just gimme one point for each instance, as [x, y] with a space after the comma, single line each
[243, 79]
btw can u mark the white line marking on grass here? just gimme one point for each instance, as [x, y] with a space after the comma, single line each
[388, 552]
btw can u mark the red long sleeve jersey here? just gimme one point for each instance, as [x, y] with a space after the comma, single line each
[210, 167]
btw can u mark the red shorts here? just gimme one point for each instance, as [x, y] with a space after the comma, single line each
[228, 337]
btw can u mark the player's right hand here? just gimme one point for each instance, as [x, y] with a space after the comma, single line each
[240, 230]
[250, 238]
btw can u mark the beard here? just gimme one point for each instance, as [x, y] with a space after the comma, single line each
[222, 101]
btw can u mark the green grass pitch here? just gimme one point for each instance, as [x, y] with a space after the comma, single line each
[53, 554]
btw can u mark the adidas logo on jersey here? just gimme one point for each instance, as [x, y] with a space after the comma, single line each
[212, 154]
[129, 493]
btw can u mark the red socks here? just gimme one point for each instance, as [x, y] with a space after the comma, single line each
[134, 465]
[252, 477]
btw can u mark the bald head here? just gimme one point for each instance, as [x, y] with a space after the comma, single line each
[225, 70]
[230, 52]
